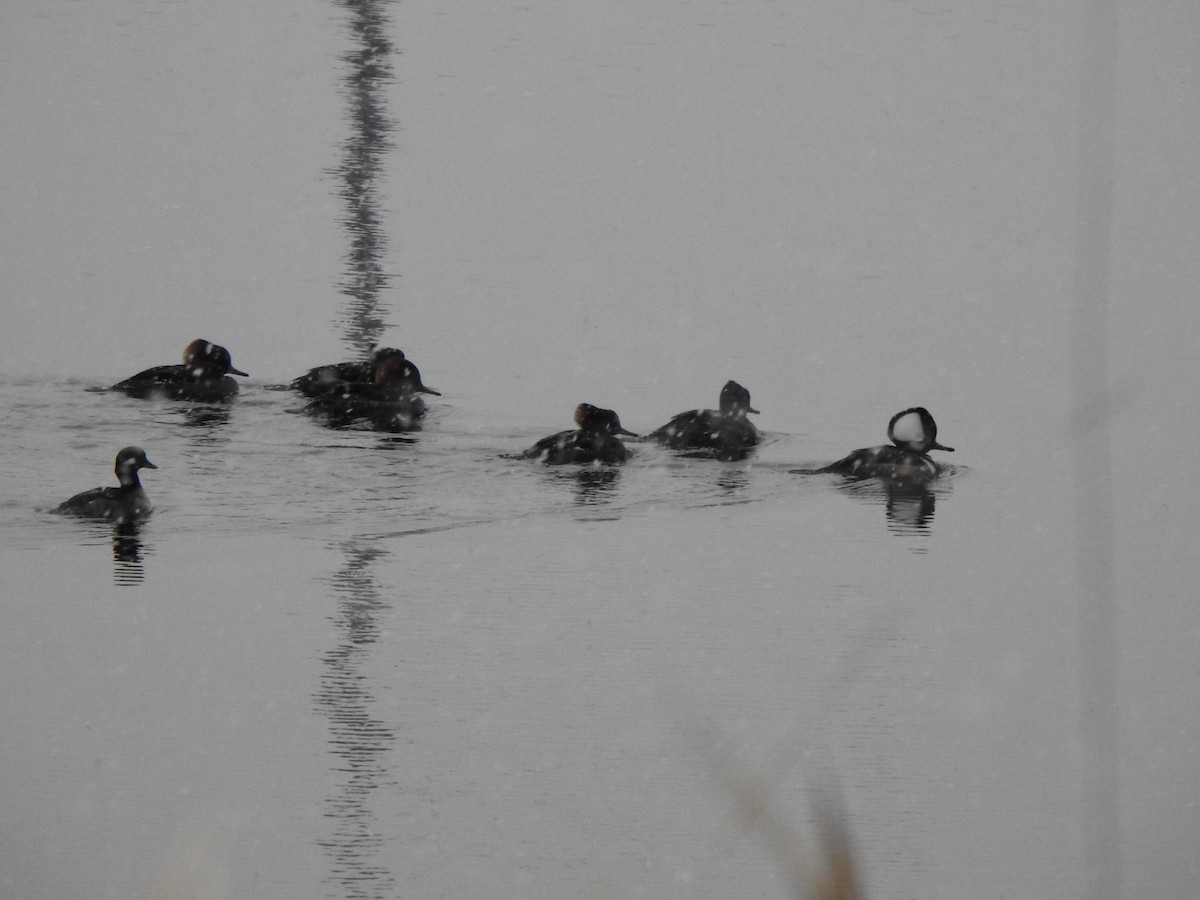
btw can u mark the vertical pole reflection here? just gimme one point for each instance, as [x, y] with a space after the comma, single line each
[369, 72]
[359, 742]
[1093, 453]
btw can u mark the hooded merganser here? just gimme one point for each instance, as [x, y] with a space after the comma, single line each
[204, 375]
[914, 434]
[121, 505]
[595, 441]
[726, 430]
[329, 379]
[389, 401]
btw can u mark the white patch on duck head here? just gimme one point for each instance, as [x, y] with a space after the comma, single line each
[908, 430]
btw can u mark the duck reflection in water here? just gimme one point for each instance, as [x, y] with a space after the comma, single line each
[389, 402]
[733, 480]
[205, 417]
[595, 485]
[128, 554]
[908, 506]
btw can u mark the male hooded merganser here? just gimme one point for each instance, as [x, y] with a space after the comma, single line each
[204, 376]
[121, 505]
[329, 379]
[389, 401]
[726, 430]
[595, 441]
[914, 434]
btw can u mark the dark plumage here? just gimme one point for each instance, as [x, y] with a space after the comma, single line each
[595, 441]
[389, 401]
[203, 376]
[123, 504]
[725, 432]
[330, 379]
[913, 433]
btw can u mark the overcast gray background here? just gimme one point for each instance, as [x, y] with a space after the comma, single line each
[850, 208]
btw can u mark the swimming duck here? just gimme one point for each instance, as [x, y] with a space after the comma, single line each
[595, 441]
[204, 376]
[913, 434]
[389, 401]
[726, 430]
[329, 379]
[121, 505]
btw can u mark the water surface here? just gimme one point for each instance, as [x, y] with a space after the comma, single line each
[351, 664]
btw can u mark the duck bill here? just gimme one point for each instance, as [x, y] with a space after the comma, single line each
[626, 432]
[233, 371]
[428, 390]
[751, 409]
[149, 465]
[936, 446]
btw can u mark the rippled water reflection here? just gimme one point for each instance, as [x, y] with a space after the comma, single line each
[368, 73]
[360, 741]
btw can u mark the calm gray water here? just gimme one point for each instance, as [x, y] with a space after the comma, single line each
[348, 664]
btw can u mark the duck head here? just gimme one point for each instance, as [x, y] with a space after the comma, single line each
[208, 360]
[735, 400]
[396, 375]
[914, 429]
[599, 421]
[129, 460]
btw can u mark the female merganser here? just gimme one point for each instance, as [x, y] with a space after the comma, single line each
[726, 430]
[595, 441]
[913, 433]
[203, 376]
[389, 401]
[329, 379]
[121, 505]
